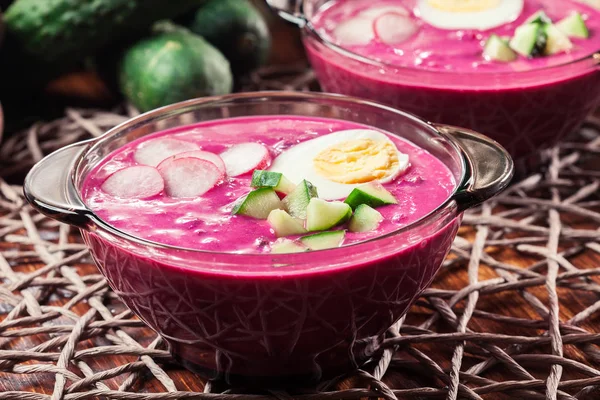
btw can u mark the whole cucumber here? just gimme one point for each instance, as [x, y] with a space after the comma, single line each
[171, 66]
[237, 29]
[66, 31]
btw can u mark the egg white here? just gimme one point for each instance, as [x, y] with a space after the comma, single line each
[297, 164]
[506, 12]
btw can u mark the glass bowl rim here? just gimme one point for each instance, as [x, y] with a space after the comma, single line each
[449, 204]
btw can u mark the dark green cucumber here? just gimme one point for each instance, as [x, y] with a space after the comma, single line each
[66, 31]
[171, 66]
[237, 29]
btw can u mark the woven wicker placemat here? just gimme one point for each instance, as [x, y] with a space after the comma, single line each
[512, 314]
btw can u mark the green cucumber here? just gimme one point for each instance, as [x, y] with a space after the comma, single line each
[237, 29]
[529, 40]
[365, 219]
[282, 246]
[274, 180]
[171, 66]
[324, 240]
[322, 215]
[498, 50]
[557, 42]
[296, 202]
[372, 194]
[539, 17]
[574, 26]
[257, 204]
[284, 224]
[66, 31]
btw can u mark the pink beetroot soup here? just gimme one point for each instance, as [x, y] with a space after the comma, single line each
[206, 222]
[442, 75]
[255, 317]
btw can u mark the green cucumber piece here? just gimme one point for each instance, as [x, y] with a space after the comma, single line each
[557, 41]
[274, 180]
[257, 204]
[365, 219]
[324, 240]
[282, 246]
[574, 26]
[284, 224]
[296, 202]
[372, 194]
[322, 215]
[529, 40]
[498, 50]
[539, 17]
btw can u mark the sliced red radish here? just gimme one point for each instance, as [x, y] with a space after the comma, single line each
[189, 176]
[394, 28]
[355, 31]
[374, 12]
[153, 152]
[243, 158]
[203, 155]
[139, 181]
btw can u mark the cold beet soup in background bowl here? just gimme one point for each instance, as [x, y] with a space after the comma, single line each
[270, 238]
[523, 72]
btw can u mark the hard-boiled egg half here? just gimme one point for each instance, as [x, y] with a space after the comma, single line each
[340, 161]
[469, 14]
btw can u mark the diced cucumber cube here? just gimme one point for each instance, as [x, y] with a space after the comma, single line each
[322, 215]
[498, 50]
[557, 41]
[282, 246]
[372, 194]
[296, 202]
[539, 17]
[284, 224]
[324, 240]
[274, 180]
[574, 26]
[365, 219]
[529, 40]
[257, 204]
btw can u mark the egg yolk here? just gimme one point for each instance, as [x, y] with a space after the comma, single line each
[464, 5]
[357, 161]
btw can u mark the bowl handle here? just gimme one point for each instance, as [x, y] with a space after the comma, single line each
[290, 10]
[489, 166]
[49, 187]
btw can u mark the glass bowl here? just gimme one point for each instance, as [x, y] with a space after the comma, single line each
[265, 318]
[525, 111]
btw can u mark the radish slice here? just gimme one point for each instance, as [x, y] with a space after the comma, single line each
[394, 28]
[374, 12]
[139, 182]
[153, 152]
[245, 157]
[189, 176]
[203, 155]
[355, 31]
